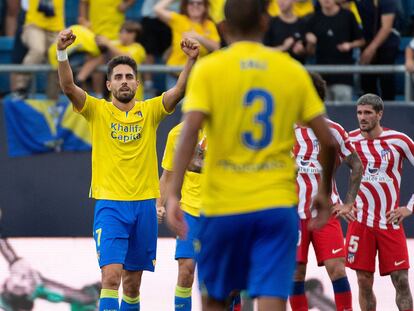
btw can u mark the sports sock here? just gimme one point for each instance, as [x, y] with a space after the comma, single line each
[343, 296]
[129, 304]
[236, 303]
[182, 299]
[298, 300]
[108, 300]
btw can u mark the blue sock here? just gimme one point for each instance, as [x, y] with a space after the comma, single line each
[108, 300]
[129, 304]
[182, 299]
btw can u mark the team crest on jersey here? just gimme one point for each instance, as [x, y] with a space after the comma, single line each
[351, 257]
[386, 155]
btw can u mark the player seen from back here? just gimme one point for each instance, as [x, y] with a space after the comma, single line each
[248, 223]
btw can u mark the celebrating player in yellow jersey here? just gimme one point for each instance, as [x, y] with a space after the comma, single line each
[249, 98]
[124, 169]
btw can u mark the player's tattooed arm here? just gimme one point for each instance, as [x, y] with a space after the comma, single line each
[347, 210]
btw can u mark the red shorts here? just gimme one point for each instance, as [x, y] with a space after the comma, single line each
[328, 242]
[362, 243]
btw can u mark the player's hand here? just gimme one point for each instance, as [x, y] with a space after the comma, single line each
[397, 216]
[190, 47]
[65, 38]
[175, 217]
[344, 47]
[160, 213]
[322, 204]
[346, 211]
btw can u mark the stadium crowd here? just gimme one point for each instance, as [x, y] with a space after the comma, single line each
[321, 32]
[244, 234]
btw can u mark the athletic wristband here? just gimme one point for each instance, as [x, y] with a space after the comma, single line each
[62, 55]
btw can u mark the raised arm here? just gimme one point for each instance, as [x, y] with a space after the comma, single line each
[83, 18]
[162, 11]
[327, 159]
[173, 96]
[76, 95]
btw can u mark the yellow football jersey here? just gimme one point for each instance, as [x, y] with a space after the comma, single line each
[217, 10]
[252, 97]
[124, 158]
[39, 19]
[300, 8]
[106, 20]
[180, 24]
[190, 192]
[137, 52]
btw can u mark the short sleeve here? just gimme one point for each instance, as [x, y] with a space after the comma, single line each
[411, 44]
[197, 95]
[388, 7]
[212, 32]
[156, 108]
[88, 108]
[311, 103]
[168, 159]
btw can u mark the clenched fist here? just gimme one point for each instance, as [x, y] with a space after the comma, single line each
[65, 38]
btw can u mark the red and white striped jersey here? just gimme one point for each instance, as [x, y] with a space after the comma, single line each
[306, 152]
[382, 159]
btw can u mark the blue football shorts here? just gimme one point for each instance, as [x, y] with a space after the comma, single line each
[253, 251]
[186, 248]
[125, 232]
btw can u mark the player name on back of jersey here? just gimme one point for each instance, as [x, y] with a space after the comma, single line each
[253, 64]
[251, 167]
[125, 133]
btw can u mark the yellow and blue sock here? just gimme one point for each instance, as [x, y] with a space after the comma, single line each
[129, 304]
[182, 299]
[108, 300]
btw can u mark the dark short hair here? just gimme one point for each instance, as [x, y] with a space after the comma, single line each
[319, 83]
[244, 16]
[184, 10]
[373, 100]
[131, 26]
[121, 60]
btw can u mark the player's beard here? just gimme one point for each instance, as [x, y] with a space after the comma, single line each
[124, 97]
[368, 127]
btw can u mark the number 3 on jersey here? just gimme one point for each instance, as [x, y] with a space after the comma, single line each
[263, 118]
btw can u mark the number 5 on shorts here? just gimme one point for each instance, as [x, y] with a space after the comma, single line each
[353, 244]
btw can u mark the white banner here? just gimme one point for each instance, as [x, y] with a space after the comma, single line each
[61, 274]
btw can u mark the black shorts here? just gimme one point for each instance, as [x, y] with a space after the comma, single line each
[156, 37]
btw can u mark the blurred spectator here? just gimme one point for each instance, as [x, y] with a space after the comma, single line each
[19, 49]
[287, 32]
[12, 11]
[409, 57]
[104, 17]
[44, 19]
[193, 22]
[156, 39]
[337, 34]
[126, 45]
[301, 8]
[382, 43]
